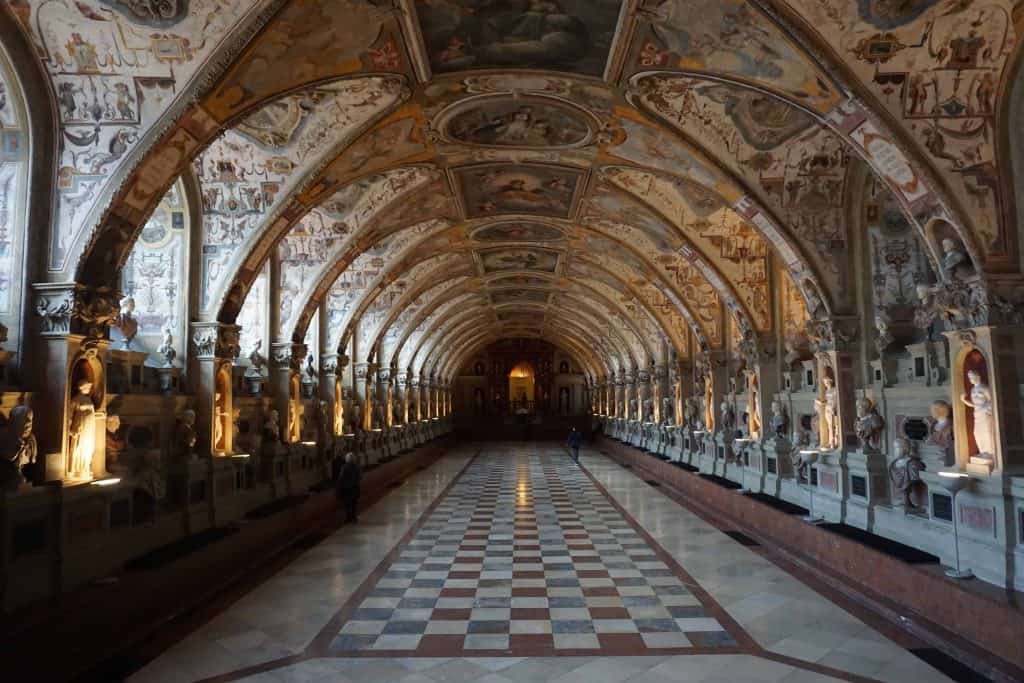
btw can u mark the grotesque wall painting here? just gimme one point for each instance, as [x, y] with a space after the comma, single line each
[516, 122]
[936, 67]
[497, 260]
[898, 260]
[253, 316]
[155, 273]
[543, 190]
[518, 232]
[307, 41]
[114, 76]
[731, 37]
[563, 35]
[248, 173]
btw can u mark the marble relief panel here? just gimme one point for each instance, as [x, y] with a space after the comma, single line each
[936, 67]
[114, 75]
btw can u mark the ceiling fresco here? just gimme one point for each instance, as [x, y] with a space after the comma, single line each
[642, 177]
[557, 35]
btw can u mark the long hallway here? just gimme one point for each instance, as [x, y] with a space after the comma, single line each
[509, 563]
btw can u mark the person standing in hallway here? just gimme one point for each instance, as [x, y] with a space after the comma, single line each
[347, 487]
[574, 441]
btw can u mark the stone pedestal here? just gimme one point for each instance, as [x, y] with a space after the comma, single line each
[776, 457]
[126, 371]
[832, 486]
[868, 486]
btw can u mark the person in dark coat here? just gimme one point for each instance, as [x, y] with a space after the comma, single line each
[347, 487]
[574, 441]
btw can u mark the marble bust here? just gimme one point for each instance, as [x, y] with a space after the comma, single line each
[941, 422]
[869, 423]
[257, 361]
[905, 474]
[779, 422]
[126, 322]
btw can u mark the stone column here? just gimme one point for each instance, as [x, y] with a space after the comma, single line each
[402, 396]
[331, 367]
[215, 347]
[764, 379]
[74, 324]
[361, 392]
[382, 417]
[416, 404]
[661, 390]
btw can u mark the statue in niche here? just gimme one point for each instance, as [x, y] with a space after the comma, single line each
[792, 354]
[778, 422]
[126, 322]
[954, 259]
[116, 441]
[728, 415]
[186, 434]
[905, 474]
[648, 415]
[753, 407]
[166, 349]
[829, 405]
[677, 395]
[980, 401]
[941, 424]
[81, 431]
[709, 404]
[220, 422]
[396, 411]
[633, 411]
[257, 361]
[691, 411]
[869, 424]
[17, 449]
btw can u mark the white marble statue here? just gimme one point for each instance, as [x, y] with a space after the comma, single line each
[166, 349]
[980, 400]
[257, 361]
[753, 405]
[17, 448]
[728, 415]
[81, 431]
[126, 322]
[828, 404]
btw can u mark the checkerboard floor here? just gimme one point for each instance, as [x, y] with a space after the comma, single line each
[526, 556]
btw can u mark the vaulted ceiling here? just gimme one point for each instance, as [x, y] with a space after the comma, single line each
[619, 177]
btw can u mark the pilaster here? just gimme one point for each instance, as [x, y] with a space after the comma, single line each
[214, 346]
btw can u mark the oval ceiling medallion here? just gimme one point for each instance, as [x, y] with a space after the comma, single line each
[518, 122]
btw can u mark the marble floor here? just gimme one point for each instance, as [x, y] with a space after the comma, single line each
[509, 563]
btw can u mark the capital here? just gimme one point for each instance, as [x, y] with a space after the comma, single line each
[215, 340]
